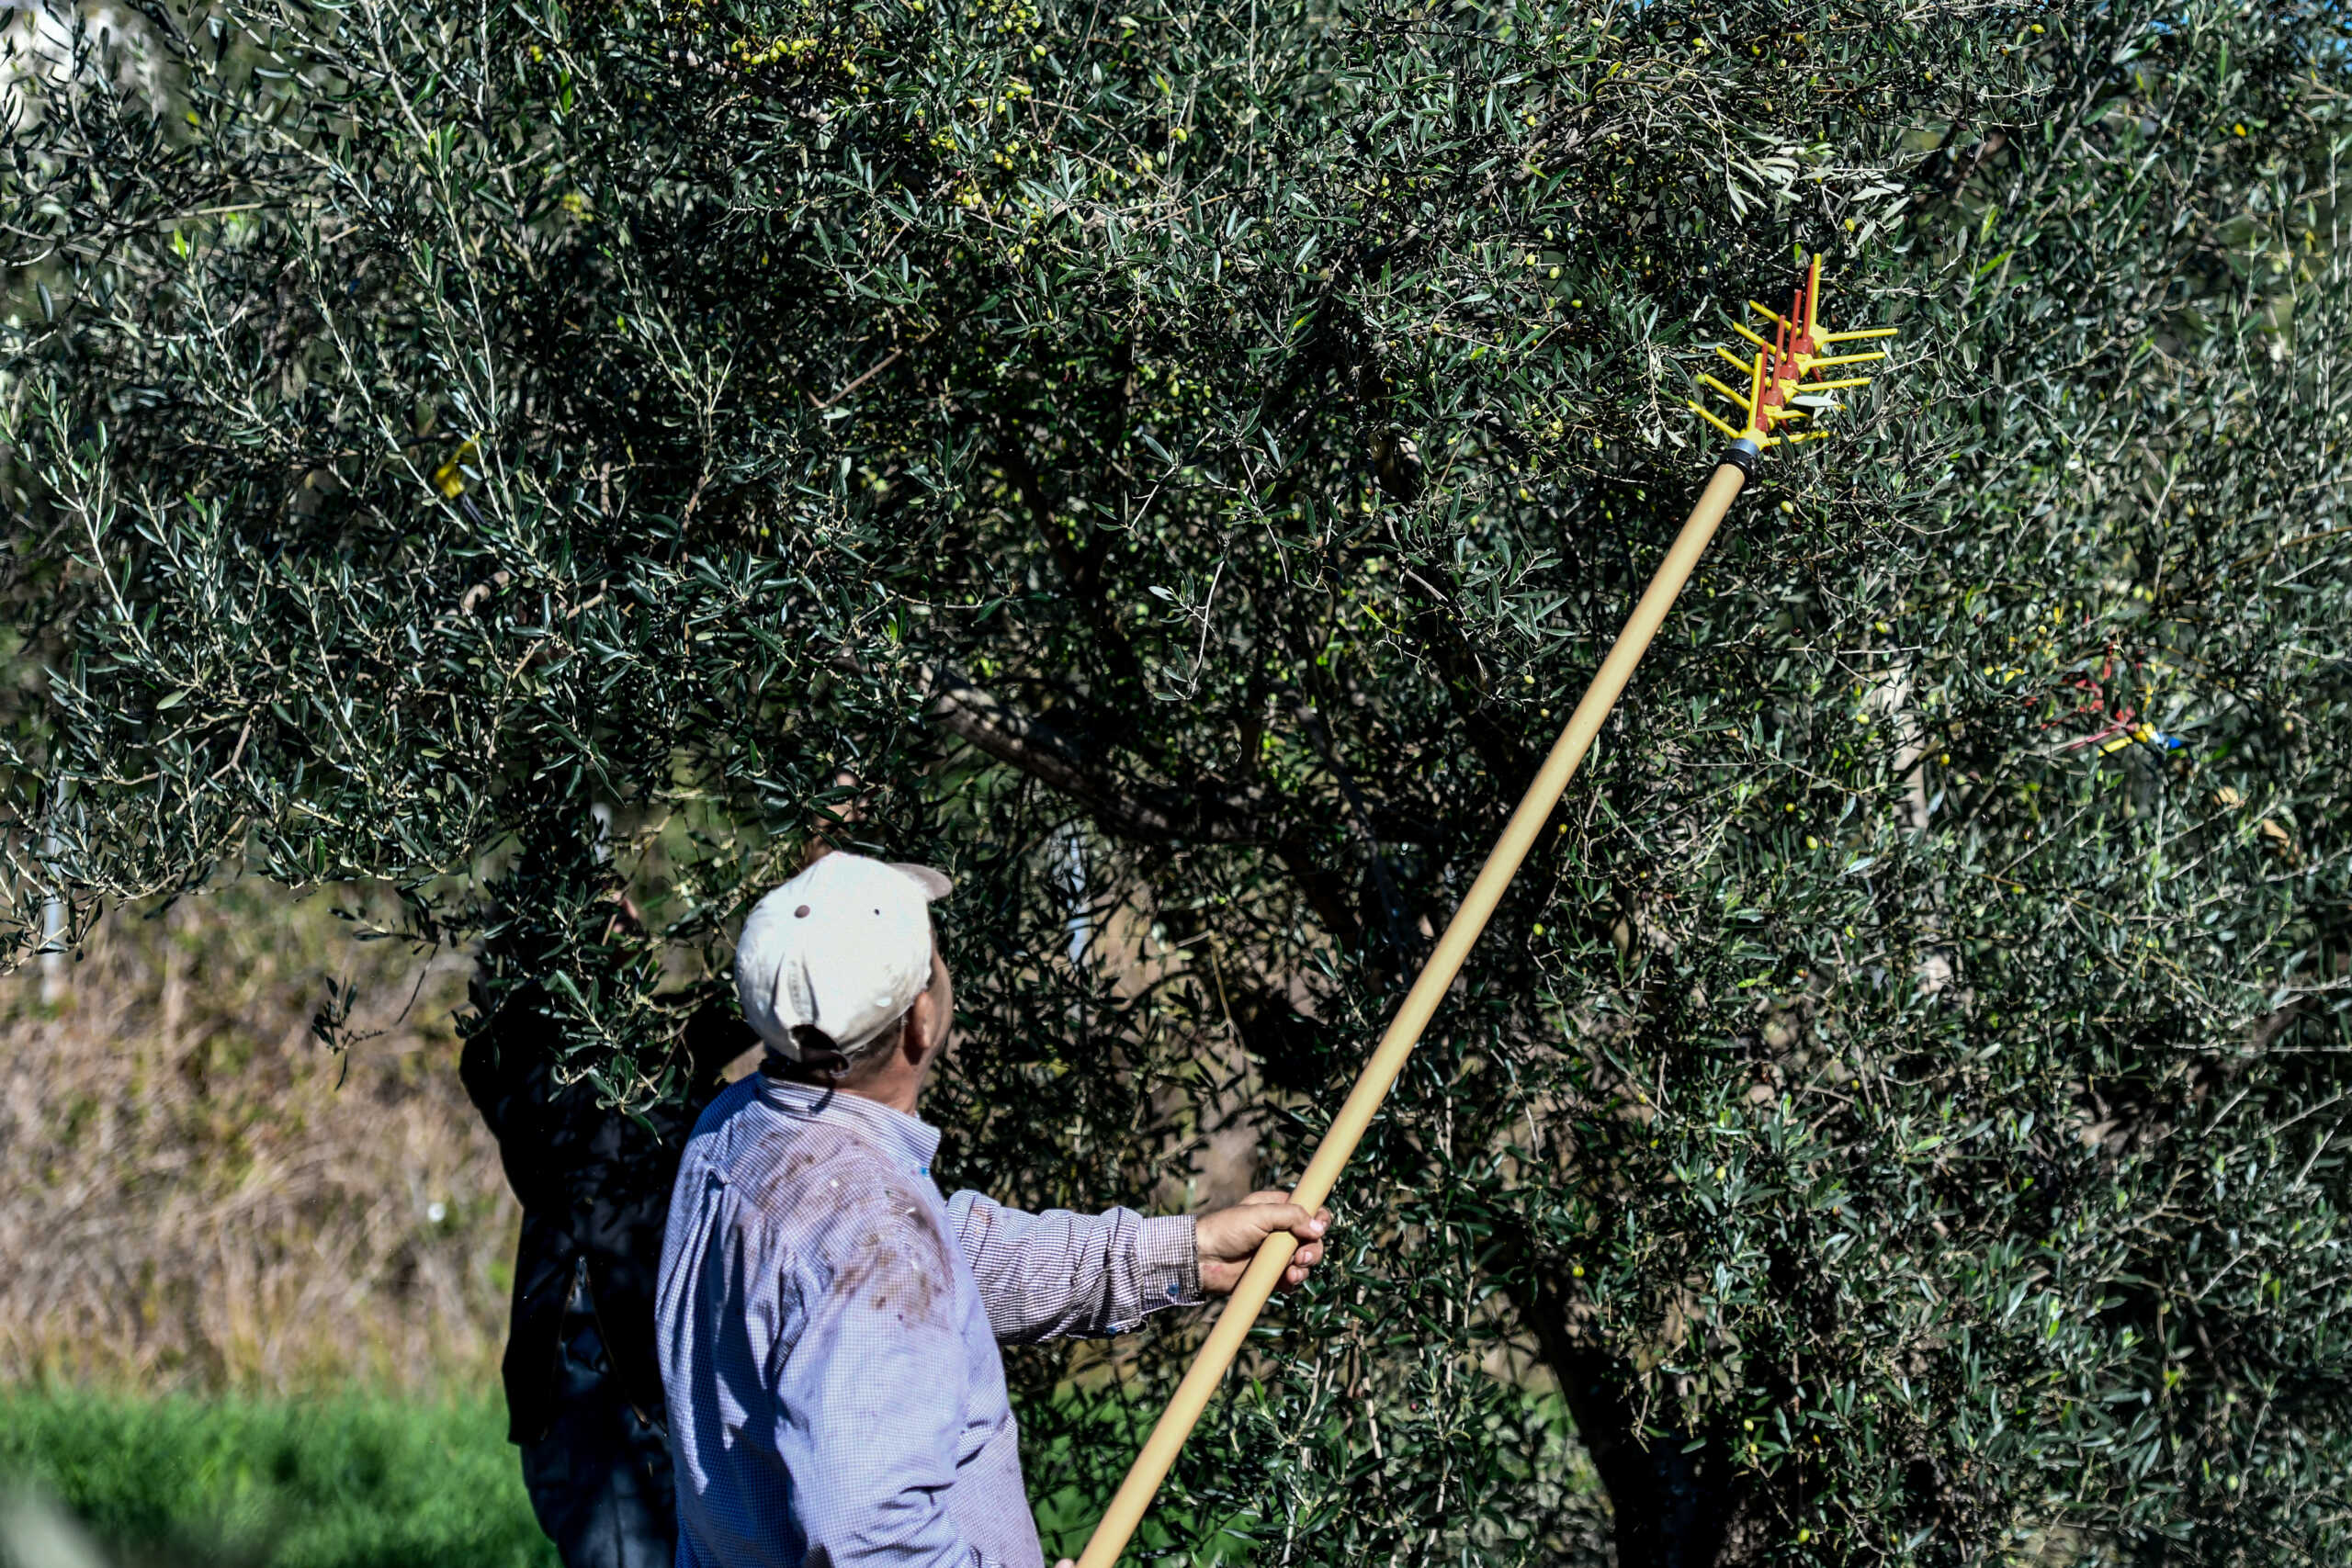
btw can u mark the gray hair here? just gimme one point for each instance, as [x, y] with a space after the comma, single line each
[819, 1049]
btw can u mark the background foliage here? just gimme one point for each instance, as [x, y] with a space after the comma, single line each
[1185, 462]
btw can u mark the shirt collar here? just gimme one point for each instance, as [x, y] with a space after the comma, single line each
[906, 1139]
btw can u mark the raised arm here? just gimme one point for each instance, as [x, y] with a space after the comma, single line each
[1042, 1276]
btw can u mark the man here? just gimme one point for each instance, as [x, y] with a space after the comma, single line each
[583, 1385]
[828, 1320]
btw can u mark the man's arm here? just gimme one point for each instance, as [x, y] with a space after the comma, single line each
[870, 1404]
[1042, 1276]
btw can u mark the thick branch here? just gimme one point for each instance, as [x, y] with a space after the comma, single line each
[1152, 813]
[1216, 811]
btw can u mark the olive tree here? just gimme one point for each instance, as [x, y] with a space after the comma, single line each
[1176, 468]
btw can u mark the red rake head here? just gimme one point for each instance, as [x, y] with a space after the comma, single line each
[1780, 368]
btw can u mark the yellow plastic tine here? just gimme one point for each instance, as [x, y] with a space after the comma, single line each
[1750, 335]
[1851, 358]
[1809, 436]
[1853, 336]
[1813, 294]
[1709, 415]
[1790, 413]
[1745, 405]
[1772, 316]
[1833, 386]
[1731, 358]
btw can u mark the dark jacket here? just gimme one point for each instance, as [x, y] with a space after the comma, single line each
[594, 1187]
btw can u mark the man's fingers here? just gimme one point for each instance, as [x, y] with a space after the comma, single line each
[1277, 1215]
[1274, 1198]
[1230, 1236]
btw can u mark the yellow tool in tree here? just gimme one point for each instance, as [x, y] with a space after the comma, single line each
[1775, 377]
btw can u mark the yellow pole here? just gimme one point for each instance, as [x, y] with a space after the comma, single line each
[1176, 1423]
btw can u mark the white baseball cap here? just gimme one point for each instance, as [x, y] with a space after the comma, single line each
[843, 948]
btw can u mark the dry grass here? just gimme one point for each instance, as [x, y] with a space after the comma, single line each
[194, 1195]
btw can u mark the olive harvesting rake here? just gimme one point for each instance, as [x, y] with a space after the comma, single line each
[1778, 371]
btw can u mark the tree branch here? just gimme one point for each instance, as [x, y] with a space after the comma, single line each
[1215, 812]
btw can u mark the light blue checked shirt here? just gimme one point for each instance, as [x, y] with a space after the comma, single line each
[827, 1328]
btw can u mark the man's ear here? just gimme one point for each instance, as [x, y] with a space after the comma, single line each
[914, 1038]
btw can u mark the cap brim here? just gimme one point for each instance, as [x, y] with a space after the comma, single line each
[936, 884]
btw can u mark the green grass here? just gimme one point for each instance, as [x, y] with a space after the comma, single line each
[368, 1481]
[350, 1480]
[353, 1480]
[343, 1482]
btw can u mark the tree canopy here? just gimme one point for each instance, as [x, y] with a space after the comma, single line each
[1182, 464]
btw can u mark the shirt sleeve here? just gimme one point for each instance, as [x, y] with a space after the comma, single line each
[870, 1402]
[1042, 1276]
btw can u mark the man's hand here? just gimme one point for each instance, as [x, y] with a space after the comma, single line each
[835, 820]
[1228, 1239]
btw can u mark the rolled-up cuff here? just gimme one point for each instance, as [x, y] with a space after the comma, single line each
[1168, 1262]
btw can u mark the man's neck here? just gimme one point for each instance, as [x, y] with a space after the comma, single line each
[900, 1097]
[900, 1090]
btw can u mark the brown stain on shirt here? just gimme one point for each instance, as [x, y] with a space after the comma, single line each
[884, 1244]
[895, 1272]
